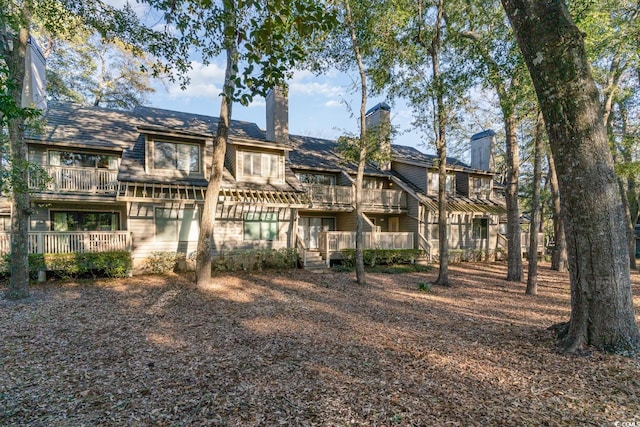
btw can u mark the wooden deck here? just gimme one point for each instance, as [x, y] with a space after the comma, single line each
[41, 242]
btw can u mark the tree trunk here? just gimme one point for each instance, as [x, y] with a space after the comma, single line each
[206, 242]
[360, 274]
[559, 256]
[441, 147]
[20, 205]
[532, 273]
[514, 244]
[602, 313]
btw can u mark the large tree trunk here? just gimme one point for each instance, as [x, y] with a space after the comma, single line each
[514, 244]
[20, 205]
[559, 256]
[532, 273]
[360, 273]
[206, 242]
[441, 147]
[602, 312]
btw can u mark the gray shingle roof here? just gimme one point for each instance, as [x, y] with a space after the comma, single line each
[321, 154]
[97, 128]
[402, 152]
[82, 126]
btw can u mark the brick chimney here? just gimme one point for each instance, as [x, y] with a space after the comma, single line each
[278, 115]
[482, 147]
[378, 119]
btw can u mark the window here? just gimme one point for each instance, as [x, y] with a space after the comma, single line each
[177, 225]
[82, 160]
[480, 228]
[372, 183]
[435, 179]
[481, 185]
[261, 226]
[176, 156]
[84, 221]
[261, 165]
[316, 178]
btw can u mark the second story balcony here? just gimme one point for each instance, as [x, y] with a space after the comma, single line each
[341, 197]
[66, 179]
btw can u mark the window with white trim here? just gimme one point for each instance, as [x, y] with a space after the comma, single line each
[176, 156]
[261, 226]
[261, 165]
[177, 225]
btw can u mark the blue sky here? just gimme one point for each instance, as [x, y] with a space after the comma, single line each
[318, 105]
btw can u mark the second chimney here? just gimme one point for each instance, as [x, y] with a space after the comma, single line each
[482, 145]
[277, 115]
[378, 119]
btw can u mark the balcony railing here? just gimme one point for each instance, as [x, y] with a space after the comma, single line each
[333, 195]
[73, 179]
[385, 198]
[41, 242]
[336, 195]
[335, 241]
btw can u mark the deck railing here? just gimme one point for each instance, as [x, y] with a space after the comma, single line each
[384, 198]
[73, 179]
[330, 194]
[41, 242]
[335, 241]
[336, 195]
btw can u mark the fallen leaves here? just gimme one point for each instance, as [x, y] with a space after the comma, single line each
[295, 348]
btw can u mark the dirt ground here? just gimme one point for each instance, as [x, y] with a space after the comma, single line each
[300, 349]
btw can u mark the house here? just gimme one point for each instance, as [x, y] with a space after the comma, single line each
[137, 181]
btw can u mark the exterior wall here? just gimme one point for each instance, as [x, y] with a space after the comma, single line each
[230, 159]
[461, 232]
[417, 175]
[228, 230]
[343, 180]
[462, 183]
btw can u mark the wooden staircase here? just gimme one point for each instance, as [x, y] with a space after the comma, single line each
[314, 261]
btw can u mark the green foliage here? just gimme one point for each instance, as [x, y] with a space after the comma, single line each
[424, 287]
[257, 259]
[399, 268]
[162, 262]
[68, 265]
[373, 257]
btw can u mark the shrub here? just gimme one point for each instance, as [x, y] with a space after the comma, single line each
[424, 287]
[257, 259]
[373, 257]
[68, 265]
[162, 262]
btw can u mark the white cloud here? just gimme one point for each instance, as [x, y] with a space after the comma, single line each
[205, 82]
[333, 103]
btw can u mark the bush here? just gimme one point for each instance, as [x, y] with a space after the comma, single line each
[257, 259]
[68, 265]
[162, 262]
[373, 257]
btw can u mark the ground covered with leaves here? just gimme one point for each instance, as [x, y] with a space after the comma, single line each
[300, 349]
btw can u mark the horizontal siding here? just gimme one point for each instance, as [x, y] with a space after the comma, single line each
[228, 231]
[416, 175]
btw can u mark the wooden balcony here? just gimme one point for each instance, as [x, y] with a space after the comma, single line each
[343, 196]
[386, 199]
[41, 242]
[78, 180]
[331, 242]
[330, 195]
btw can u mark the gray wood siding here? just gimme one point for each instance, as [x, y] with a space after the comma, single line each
[230, 159]
[228, 231]
[416, 175]
[462, 183]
